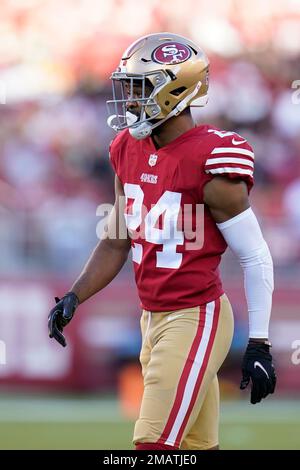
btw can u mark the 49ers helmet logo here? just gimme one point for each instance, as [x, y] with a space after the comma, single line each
[171, 53]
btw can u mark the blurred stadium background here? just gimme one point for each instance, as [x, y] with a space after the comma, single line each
[55, 62]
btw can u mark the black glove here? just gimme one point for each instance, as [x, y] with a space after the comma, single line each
[61, 315]
[257, 365]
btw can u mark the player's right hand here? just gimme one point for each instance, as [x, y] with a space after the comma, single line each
[61, 315]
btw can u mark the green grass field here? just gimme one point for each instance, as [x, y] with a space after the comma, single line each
[96, 423]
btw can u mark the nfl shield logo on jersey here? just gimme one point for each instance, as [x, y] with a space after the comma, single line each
[153, 159]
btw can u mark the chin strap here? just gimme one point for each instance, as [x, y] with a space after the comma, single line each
[181, 106]
[142, 131]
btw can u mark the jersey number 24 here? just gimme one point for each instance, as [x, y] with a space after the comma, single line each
[168, 206]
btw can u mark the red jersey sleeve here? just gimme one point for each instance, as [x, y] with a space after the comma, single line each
[112, 155]
[231, 156]
[117, 150]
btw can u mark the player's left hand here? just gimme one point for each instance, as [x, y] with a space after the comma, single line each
[257, 365]
[61, 315]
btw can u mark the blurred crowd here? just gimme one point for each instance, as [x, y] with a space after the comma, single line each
[54, 167]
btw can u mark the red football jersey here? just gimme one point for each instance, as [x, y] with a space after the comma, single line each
[176, 245]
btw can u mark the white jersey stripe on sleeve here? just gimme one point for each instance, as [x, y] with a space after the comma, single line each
[242, 161]
[241, 171]
[233, 150]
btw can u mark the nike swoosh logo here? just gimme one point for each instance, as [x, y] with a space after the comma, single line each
[238, 142]
[258, 364]
[175, 316]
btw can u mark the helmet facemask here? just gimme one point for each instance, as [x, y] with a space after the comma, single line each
[124, 92]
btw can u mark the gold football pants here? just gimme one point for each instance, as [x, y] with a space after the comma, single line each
[181, 354]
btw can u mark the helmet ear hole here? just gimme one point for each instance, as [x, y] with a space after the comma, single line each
[178, 91]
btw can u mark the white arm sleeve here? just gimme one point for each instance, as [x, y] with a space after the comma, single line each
[243, 235]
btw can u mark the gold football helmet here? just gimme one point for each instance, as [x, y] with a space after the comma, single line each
[169, 71]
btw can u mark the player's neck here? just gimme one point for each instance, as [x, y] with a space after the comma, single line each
[172, 129]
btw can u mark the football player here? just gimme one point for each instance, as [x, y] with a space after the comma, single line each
[165, 164]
